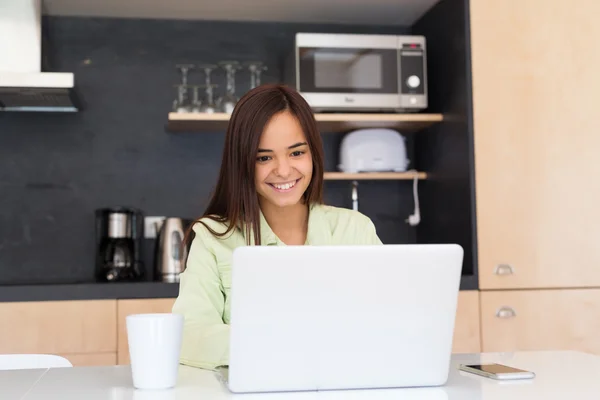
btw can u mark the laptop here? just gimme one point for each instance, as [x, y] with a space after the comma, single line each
[309, 318]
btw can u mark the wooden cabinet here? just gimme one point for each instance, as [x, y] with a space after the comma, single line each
[136, 306]
[91, 359]
[94, 332]
[467, 326]
[85, 332]
[535, 98]
[566, 319]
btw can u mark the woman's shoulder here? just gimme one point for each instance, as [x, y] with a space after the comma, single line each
[206, 224]
[213, 234]
[213, 229]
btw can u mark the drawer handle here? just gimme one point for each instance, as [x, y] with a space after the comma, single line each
[506, 312]
[504, 269]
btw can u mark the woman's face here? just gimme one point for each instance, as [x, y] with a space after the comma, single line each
[283, 162]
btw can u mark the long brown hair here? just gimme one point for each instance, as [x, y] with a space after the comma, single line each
[235, 200]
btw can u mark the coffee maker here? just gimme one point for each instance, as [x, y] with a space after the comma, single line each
[119, 235]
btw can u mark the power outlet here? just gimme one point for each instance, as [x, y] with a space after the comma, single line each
[152, 226]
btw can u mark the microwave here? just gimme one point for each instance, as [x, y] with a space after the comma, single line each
[359, 72]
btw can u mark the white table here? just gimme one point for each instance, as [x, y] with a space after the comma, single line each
[560, 375]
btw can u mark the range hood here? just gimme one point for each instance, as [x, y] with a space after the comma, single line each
[23, 84]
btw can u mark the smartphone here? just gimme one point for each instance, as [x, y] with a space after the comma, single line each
[497, 371]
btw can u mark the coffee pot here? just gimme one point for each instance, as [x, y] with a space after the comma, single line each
[119, 233]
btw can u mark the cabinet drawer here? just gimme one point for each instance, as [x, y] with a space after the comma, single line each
[59, 327]
[137, 306]
[541, 320]
[467, 326]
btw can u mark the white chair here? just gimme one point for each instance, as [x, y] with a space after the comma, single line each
[32, 361]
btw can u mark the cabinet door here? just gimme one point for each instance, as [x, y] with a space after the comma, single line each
[137, 306]
[467, 327]
[59, 327]
[567, 319]
[91, 359]
[535, 96]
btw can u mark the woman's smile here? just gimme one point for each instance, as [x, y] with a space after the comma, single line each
[284, 186]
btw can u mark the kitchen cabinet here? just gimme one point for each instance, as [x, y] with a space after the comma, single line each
[94, 332]
[564, 319]
[91, 359]
[82, 331]
[535, 94]
[467, 324]
[136, 306]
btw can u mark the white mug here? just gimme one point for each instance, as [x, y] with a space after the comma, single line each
[154, 347]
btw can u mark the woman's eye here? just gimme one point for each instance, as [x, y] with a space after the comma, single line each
[297, 153]
[263, 158]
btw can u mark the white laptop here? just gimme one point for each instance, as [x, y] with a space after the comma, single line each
[342, 317]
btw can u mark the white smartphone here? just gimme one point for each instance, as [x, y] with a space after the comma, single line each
[497, 371]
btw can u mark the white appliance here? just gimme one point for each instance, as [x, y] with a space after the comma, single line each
[342, 317]
[359, 72]
[373, 150]
[23, 85]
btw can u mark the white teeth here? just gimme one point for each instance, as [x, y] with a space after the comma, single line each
[285, 186]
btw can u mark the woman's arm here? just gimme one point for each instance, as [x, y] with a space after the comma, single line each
[201, 301]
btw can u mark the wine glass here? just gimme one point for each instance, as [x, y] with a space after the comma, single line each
[208, 106]
[181, 104]
[256, 68]
[228, 101]
[196, 106]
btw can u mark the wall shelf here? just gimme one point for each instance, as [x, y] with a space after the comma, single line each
[328, 123]
[343, 176]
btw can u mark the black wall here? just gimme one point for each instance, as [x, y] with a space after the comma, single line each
[445, 150]
[55, 170]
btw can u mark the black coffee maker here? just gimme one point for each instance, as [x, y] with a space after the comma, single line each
[119, 235]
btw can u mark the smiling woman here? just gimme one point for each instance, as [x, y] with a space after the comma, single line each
[269, 192]
[284, 173]
[272, 143]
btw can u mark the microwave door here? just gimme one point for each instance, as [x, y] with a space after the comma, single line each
[348, 70]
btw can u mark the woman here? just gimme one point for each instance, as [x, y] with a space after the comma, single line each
[269, 192]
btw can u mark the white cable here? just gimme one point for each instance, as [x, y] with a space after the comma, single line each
[415, 218]
[355, 195]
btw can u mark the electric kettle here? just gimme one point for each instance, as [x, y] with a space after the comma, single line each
[171, 253]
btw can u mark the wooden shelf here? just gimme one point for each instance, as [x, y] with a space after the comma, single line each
[339, 176]
[328, 123]
[405, 123]
[197, 122]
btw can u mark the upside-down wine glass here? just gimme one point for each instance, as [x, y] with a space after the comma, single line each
[181, 104]
[255, 68]
[229, 100]
[208, 106]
